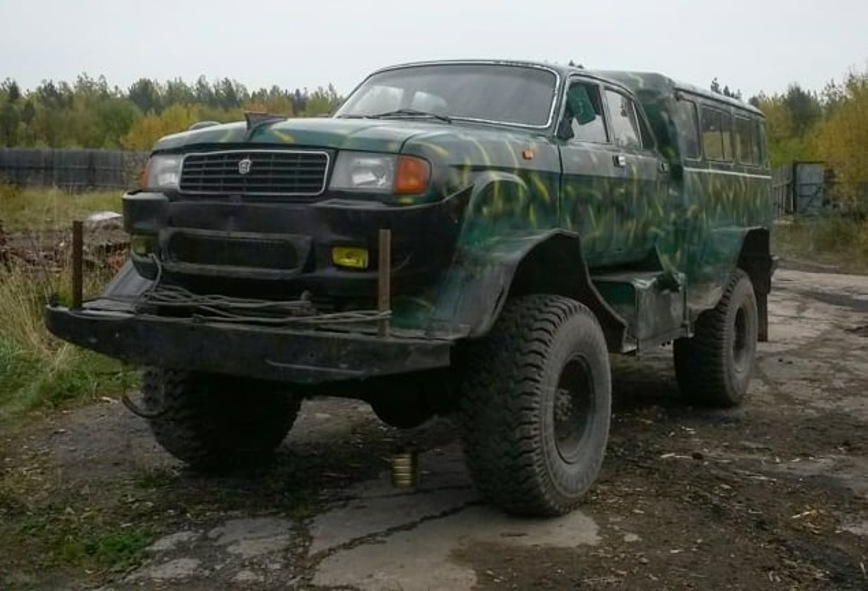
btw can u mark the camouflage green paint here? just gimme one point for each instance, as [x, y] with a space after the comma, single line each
[690, 220]
[712, 205]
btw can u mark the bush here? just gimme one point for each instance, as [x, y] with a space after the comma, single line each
[831, 239]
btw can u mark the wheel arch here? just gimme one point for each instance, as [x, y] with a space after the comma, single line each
[755, 258]
[547, 262]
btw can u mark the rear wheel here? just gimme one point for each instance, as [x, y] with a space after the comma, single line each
[217, 422]
[536, 405]
[714, 367]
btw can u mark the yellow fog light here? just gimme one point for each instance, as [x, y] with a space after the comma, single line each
[350, 256]
[142, 245]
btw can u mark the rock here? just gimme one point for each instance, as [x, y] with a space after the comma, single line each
[103, 220]
[248, 576]
[172, 541]
[180, 568]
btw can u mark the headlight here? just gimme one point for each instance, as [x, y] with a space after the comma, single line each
[380, 173]
[163, 172]
[358, 171]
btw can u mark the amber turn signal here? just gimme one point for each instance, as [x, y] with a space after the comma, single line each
[412, 175]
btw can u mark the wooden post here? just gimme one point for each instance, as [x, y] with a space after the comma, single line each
[77, 270]
[384, 280]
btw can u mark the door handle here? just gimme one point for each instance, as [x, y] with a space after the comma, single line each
[620, 160]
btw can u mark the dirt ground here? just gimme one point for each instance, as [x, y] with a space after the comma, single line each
[773, 495]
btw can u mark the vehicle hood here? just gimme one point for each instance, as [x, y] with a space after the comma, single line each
[387, 135]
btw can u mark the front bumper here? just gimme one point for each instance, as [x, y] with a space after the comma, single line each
[285, 247]
[306, 356]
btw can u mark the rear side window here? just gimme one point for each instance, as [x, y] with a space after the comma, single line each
[688, 129]
[625, 123]
[747, 140]
[716, 134]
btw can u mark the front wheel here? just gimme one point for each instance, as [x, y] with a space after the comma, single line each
[714, 366]
[536, 405]
[214, 422]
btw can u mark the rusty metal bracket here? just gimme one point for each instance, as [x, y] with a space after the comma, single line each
[77, 263]
[384, 278]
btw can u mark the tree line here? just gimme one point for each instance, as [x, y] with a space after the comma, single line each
[829, 126]
[91, 114]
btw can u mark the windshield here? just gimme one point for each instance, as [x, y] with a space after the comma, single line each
[500, 93]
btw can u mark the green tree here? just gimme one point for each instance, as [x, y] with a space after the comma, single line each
[804, 108]
[145, 95]
[842, 138]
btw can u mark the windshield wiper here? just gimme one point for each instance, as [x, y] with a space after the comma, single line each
[411, 113]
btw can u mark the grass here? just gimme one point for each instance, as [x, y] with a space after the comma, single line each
[50, 209]
[38, 371]
[840, 243]
[46, 526]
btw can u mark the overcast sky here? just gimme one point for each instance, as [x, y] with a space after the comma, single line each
[748, 44]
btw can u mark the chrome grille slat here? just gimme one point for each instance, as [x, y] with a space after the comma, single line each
[292, 173]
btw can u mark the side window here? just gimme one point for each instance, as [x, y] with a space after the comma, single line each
[586, 109]
[726, 132]
[747, 141]
[716, 134]
[688, 129]
[645, 131]
[625, 124]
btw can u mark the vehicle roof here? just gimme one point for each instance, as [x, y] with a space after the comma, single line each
[634, 81]
[655, 82]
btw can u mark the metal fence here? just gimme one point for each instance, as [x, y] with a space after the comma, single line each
[71, 169]
[799, 188]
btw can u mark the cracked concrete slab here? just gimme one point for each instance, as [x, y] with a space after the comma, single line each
[253, 537]
[420, 558]
[365, 517]
[378, 508]
[405, 541]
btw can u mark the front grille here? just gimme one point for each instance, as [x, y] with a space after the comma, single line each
[237, 251]
[255, 172]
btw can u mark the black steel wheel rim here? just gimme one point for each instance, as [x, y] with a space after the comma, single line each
[573, 408]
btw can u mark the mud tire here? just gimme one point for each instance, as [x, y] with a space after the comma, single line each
[217, 423]
[714, 367]
[528, 453]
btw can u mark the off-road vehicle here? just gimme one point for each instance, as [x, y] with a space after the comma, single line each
[472, 237]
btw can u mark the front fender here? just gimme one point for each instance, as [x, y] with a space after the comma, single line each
[474, 289]
[486, 274]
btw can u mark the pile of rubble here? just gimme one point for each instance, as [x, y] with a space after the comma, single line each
[106, 246]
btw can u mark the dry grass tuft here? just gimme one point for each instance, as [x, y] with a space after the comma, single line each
[36, 369]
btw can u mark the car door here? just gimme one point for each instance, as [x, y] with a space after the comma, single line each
[593, 183]
[641, 203]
